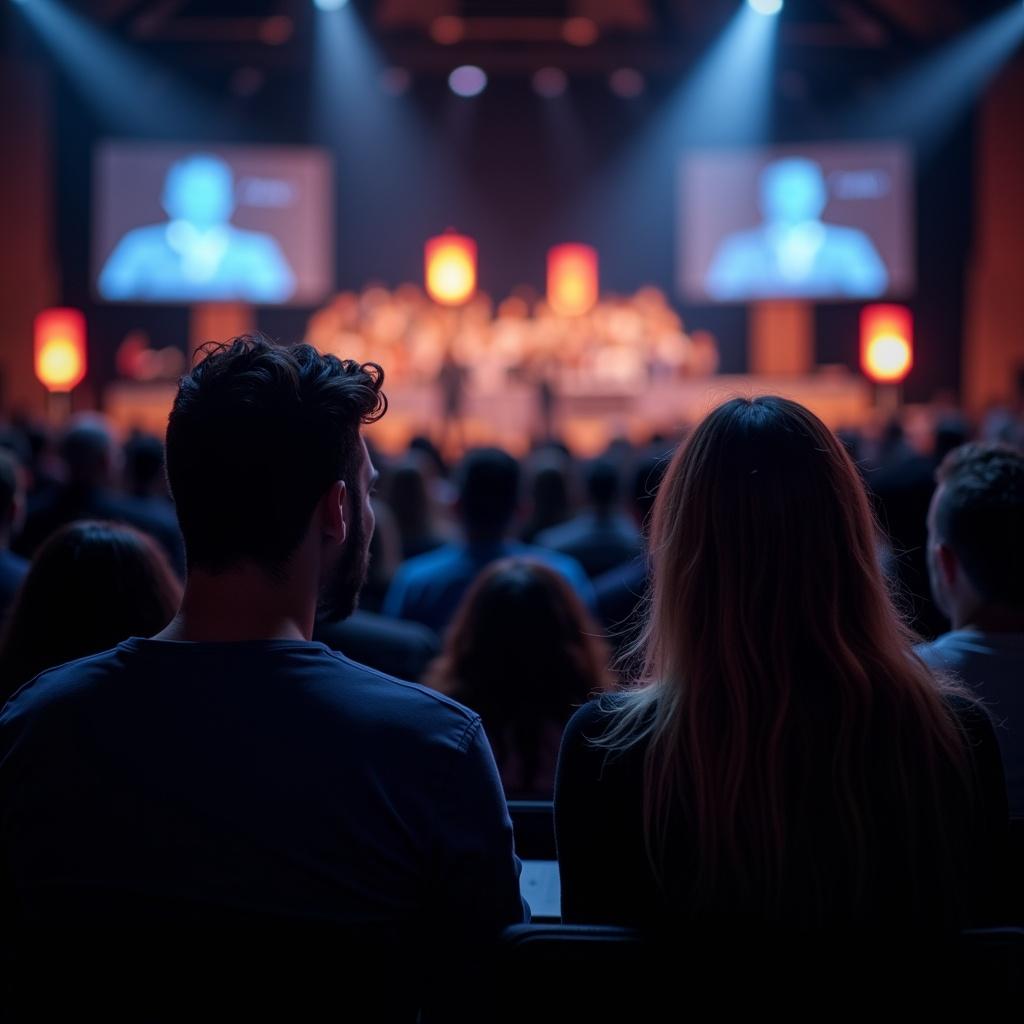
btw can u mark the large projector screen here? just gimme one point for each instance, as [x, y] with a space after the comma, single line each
[198, 223]
[823, 221]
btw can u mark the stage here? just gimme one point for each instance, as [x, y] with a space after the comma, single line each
[585, 417]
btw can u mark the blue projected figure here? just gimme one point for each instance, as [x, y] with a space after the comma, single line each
[197, 255]
[794, 252]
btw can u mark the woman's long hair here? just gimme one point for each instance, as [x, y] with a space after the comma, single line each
[90, 586]
[523, 653]
[783, 706]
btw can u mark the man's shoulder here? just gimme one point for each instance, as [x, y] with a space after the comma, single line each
[61, 684]
[409, 706]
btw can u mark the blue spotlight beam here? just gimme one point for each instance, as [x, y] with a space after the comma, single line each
[125, 89]
[926, 101]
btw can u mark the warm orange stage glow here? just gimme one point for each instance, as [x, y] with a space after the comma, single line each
[572, 279]
[450, 268]
[60, 358]
[886, 343]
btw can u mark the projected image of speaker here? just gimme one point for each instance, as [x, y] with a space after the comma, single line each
[818, 222]
[178, 223]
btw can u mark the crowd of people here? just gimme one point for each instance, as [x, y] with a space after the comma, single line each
[766, 673]
[621, 342]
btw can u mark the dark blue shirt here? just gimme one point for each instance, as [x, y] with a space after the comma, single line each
[429, 588]
[272, 777]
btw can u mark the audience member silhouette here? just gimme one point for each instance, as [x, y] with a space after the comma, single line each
[409, 498]
[429, 589]
[90, 586]
[550, 497]
[12, 508]
[523, 652]
[601, 538]
[788, 763]
[976, 559]
[90, 457]
[229, 784]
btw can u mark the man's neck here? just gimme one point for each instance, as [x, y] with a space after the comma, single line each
[242, 604]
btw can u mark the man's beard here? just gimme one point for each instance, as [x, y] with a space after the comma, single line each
[339, 595]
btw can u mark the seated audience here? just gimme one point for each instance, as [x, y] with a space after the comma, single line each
[12, 508]
[549, 490]
[428, 589]
[621, 592]
[90, 586]
[787, 765]
[976, 557]
[90, 457]
[231, 781]
[601, 538]
[409, 499]
[523, 652]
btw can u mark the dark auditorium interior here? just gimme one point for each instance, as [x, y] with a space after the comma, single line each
[511, 508]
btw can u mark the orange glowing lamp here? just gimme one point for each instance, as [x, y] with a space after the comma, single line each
[572, 279]
[886, 343]
[60, 359]
[450, 268]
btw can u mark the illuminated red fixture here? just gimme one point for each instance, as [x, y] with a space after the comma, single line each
[572, 278]
[450, 268]
[60, 359]
[886, 343]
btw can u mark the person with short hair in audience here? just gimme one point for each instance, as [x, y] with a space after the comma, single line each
[408, 497]
[90, 586]
[90, 457]
[229, 786]
[12, 508]
[622, 591]
[524, 653]
[550, 491]
[429, 589]
[601, 538]
[976, 558]
[788, 766]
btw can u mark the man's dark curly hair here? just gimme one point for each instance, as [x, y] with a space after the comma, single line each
[980, 515]
[257, 434]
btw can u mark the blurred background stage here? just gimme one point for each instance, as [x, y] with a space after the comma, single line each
[586, 218]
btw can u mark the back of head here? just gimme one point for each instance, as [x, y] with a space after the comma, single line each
[10, 488]
[522, 652]
[143, 463]
[409, 497]
[87, 448]
[647, 477]
[776, 656]
[603, 484]
[257, 435]
[522, 643]
[979, 513]
[488, 487]
[950, 432]
[90, 586]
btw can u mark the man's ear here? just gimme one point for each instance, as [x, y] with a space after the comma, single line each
[949, 565]
[332, 513]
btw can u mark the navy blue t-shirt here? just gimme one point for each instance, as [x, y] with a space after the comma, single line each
[269, 778]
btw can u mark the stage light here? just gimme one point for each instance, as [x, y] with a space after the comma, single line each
[766, 7]
[572, 278]
[467, 80]
[550, 83]
[626, 83]
[60, 358]
[329, 5]
[447, 30]
[580, 31]
[450, 268]
[886, 343]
